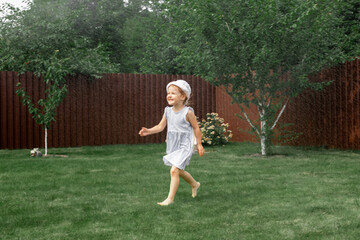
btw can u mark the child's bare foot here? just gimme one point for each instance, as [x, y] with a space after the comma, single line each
[165, 202]
[194, 189]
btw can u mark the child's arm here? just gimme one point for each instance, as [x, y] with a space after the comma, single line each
[156, 129]
[191, 118]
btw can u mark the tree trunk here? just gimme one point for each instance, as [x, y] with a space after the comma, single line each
[265, 141]
[263, 145]
[45, 141]
[265, 133]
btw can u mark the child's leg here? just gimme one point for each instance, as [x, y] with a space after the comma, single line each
[190, 180]
[174, 184]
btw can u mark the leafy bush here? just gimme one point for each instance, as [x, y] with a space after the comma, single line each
[214, 131]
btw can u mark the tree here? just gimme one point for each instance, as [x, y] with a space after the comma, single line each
[162, 46]
[351, 22]
[56, 90]
[261, 52]
[42, 40]
[102, 22]
[121, 26]
[140, 18]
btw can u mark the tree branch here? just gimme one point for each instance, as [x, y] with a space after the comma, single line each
[249, 121]
[243, 111]
[280, 113]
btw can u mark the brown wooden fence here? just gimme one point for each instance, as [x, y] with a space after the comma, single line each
[328, 118]
[111, 110]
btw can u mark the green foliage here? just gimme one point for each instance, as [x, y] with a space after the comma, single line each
[45, 110]
[135, 31]
[262, 52]
[214, 131]
[30, 37]
[240, 42]
[43, 40]
[101, 23]
[120, 26]
[285, 134]
[350, 11]
[163, 45]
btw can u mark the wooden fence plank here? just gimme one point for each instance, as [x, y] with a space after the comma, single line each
[334, 124]
[111, 109]
[120, 107]
[85, 111]
[60, 128]
[146, 108]
[41, 139]
[23, 115]
[152, 111]
[10, 109]
[30, 121]
[102, 120]
[337, 105]
[98, 113]
[91, 112]
[17, 114]
[3, 111]
[79, 106]
[347, 109]
[35, 98]
[356, 122]
[356, 76]
[132, 109]
[343, 106]
[126, 106]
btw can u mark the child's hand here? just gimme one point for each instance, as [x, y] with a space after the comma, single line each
[200, 150]
[144, 132]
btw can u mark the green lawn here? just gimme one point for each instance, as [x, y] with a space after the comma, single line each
[110, 192]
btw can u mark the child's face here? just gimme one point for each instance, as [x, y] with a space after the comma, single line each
[174, 96]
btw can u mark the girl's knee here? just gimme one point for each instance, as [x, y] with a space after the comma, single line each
[174, 171]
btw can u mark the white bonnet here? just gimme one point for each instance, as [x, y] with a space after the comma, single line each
[183, 85]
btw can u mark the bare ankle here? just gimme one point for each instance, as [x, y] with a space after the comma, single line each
[166, 202]
[195, 189]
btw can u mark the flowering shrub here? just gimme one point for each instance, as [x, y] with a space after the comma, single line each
[214, 131]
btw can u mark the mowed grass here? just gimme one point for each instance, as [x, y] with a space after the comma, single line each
[110, 192]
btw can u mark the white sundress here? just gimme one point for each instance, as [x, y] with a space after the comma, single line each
[179, 138]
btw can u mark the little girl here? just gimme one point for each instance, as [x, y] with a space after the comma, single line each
[181, 126]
